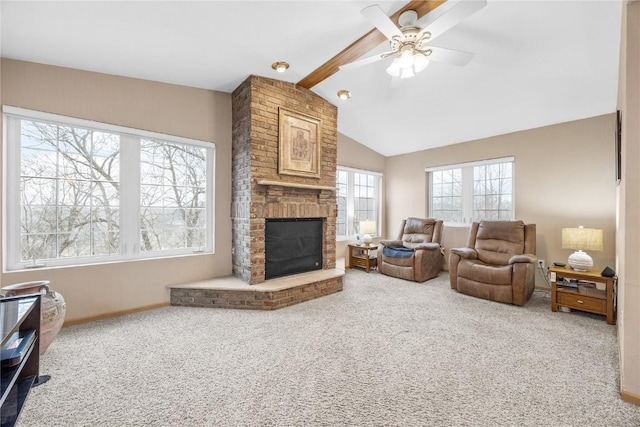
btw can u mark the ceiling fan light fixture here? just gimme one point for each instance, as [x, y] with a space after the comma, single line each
[408, 38]
[280, 66]
[344, 94]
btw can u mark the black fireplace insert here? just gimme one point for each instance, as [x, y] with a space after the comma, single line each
[292, 246]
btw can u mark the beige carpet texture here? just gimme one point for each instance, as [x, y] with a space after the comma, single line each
[383, 352]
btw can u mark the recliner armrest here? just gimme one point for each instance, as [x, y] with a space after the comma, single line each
[391, 242]
[428, 246]
[528, 258]
[467, 253]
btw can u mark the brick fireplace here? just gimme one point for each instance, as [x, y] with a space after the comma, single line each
[260, 192]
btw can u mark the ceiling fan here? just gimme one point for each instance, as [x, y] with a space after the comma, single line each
[410, 43]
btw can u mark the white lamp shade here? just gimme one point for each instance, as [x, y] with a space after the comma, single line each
[586, 239]
[582, 239]
[368, 228]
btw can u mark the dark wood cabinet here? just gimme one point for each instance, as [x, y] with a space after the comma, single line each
[20, 364]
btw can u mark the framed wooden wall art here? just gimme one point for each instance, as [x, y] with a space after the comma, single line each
[299, 144]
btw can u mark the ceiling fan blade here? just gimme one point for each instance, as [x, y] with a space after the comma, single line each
[364, 61]
[381, 21]
[449, 56]
[452, 17]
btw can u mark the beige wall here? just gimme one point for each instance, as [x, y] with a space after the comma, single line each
[564, 177]
[355, 155]
[628, 242]
[96, 290]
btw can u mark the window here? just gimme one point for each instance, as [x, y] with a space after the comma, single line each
[446, 195]
[80, 192]
[358, 197]
[173, 193]
[472, 191]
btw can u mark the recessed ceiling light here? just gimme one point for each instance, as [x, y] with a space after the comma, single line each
[344, 94]
[280, 66]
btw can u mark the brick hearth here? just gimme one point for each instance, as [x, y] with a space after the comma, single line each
[231, 292]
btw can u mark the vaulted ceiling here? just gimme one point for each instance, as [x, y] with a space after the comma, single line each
[535, 63]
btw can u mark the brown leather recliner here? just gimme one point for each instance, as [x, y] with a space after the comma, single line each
[416, 254]
[499, 262]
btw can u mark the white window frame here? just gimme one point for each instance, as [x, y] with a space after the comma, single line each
[129, 192]
[467, 186]
[351, 203]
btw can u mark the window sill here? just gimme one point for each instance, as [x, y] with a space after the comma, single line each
[104, 262]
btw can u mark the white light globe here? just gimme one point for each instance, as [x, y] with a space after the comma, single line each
[394, 68]
[420, 62]
[406, 59]
[407, 73]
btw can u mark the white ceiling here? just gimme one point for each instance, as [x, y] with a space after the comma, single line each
[536, 62]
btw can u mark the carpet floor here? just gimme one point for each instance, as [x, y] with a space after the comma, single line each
[383, 352]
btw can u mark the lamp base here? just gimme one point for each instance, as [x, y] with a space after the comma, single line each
[367, 239]
[580, 261]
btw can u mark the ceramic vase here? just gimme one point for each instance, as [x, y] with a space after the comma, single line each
[52, 308]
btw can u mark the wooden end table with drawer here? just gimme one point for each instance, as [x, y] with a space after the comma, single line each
[361, 256]
[583, 298]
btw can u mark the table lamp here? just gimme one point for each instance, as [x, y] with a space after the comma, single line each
[581, 239]
[367, 228]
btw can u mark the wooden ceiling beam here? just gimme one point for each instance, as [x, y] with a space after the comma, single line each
[364, 44]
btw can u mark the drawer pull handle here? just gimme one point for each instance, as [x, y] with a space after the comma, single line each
[580, 301]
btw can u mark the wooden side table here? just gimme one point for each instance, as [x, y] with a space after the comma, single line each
[581, 298]
[361, 256]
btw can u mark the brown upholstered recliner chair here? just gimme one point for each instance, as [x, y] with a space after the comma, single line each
[416, 254]
[499, 262]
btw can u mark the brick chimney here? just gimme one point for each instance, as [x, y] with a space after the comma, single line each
[259, 191]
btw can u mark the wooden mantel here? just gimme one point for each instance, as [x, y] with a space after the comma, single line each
[296, 185]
